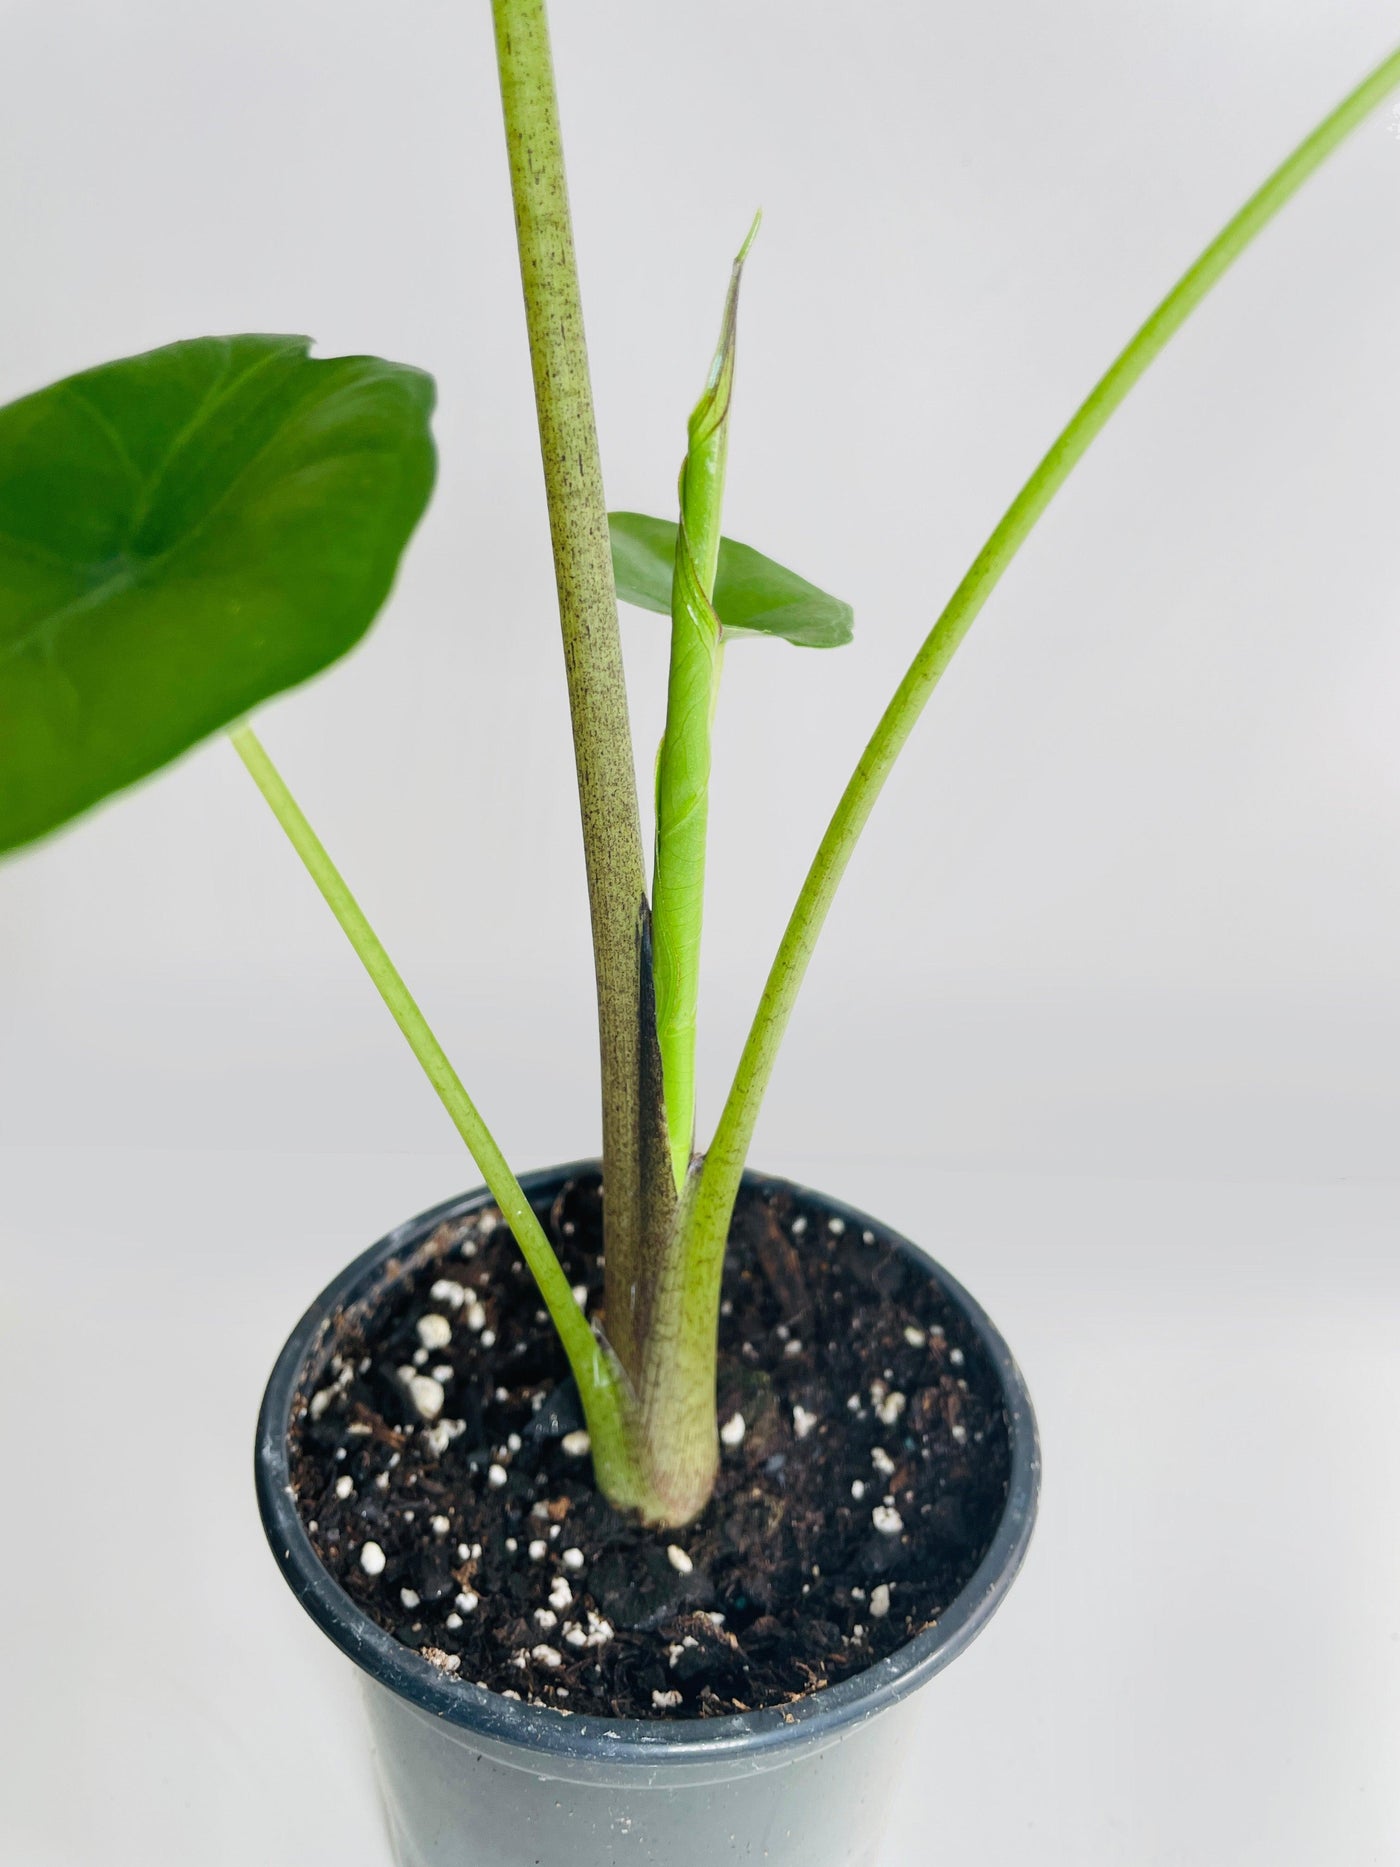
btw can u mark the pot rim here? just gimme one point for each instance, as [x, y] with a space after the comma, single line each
[558, 1735]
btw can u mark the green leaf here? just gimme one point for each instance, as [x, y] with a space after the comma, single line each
[182, 535]
[753, 595]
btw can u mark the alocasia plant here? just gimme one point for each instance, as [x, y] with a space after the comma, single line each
[186, 533]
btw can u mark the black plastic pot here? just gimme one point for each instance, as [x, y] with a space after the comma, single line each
[471, 1779]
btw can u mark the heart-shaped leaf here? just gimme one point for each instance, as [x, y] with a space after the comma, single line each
[753, 595]
[182, 535]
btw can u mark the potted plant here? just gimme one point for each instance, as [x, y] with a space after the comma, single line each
[642, 1494]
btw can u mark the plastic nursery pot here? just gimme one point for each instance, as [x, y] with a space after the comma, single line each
[473, 1779]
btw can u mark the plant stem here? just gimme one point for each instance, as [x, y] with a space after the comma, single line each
[683, 766]
[679, 1380]
[633, 1119]
[719, 1181]
[604, 1392]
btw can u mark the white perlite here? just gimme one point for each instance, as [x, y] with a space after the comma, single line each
[495, 1476]
[372, 1559]
[882, 1461]
[666, 1701]
[573, 1560]
[467, 1601]
[890, 1408]
[445, 1662]
[426, 1394]
[448, 1290]
[887, 1520]
[547, 1656]
[476, 1317]
[439, 1525]
[733, 1430]
[857, 1489]
[440, 1435]
[409, 1597]
[546, 1618]
[678, 1559]
[880, 1601]
[600, 1632]
[344, 1486]
[576, 1445]
[802, 1421]
[434, 1331]
[560, 1594]
[915, 1338]
[538, 1550]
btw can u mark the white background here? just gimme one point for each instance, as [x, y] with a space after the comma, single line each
[1107, 1013]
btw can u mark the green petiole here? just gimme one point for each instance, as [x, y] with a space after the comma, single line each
[708, 1215]
[603, 1389]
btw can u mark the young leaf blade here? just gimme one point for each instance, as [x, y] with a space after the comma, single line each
[183, 534]
[753, 595]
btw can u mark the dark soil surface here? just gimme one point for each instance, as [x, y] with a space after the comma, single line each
[443, 1479]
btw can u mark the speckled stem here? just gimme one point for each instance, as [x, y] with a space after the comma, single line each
[639, 1203]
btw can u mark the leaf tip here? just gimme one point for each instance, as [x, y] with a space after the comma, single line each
[749, 238]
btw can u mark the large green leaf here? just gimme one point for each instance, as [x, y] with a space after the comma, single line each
[182, 535]
[753, 595]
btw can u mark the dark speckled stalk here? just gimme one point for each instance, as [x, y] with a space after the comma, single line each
[640, 1200]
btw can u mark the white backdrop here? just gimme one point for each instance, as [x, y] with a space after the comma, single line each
[1113, 982]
